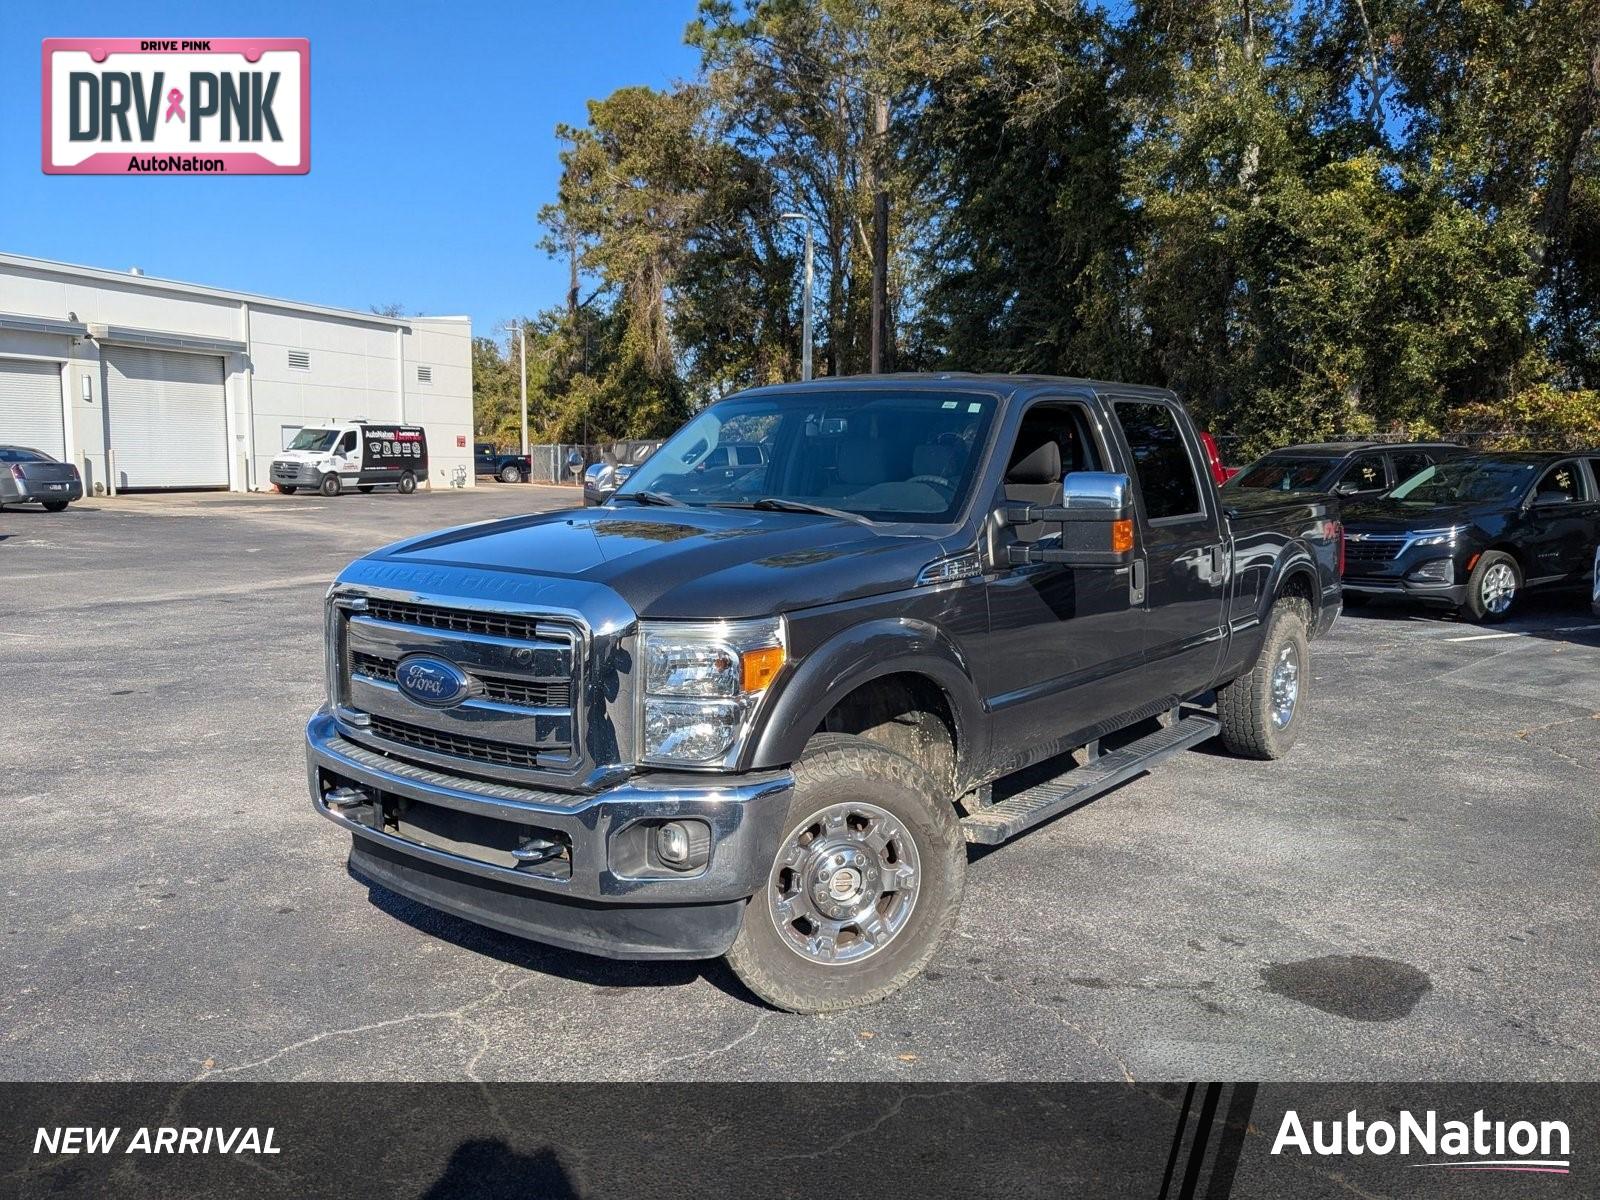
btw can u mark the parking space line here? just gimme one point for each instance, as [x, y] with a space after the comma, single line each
[1489, 637]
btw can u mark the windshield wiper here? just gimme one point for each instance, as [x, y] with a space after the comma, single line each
[779, 504]
[649, 497]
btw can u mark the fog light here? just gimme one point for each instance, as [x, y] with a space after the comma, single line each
[1438, 570]
[683, 844]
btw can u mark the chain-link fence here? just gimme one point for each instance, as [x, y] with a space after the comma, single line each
[565, 462]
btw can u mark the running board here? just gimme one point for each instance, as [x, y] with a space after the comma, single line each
[1002, 821]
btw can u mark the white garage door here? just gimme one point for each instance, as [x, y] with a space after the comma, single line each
[168, 417]
[30, 406]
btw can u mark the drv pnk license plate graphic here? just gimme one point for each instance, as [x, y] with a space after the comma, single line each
[174, 106]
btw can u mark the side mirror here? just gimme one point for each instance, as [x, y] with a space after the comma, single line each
[1096, 518]
[1348, 488]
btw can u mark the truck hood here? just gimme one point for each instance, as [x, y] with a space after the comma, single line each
[1396, 516]
[690, 563]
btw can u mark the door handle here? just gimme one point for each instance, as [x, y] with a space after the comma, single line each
[1219, 560]
[1136, 581]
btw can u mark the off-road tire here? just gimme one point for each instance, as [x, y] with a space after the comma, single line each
[838, 768]
[1245, 706]
[330, 485]
[510, 474]
[408, 484]
[1476, 607]
[55, 505]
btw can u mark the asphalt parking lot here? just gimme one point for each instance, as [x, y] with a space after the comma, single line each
[1411, 895]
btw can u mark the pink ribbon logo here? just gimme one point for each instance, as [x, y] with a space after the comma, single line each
[175, 106]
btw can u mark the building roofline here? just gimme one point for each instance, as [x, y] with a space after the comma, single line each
[158, 283]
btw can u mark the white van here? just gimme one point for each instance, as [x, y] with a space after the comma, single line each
[332, 458]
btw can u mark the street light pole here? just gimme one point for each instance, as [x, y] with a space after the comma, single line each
[805, 298]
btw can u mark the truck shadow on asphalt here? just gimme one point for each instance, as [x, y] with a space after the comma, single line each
[552, 960]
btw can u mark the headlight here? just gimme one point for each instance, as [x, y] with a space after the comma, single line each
[701, 682]
[1437, 537]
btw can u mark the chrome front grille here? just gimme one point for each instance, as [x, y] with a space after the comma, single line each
[519, 719]
[505, 625]
[507, 691]
[455, 745]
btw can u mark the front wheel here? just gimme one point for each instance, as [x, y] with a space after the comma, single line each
[1492, 587]
[864, 887]
[510, 474]
[1262, 711]
[408, 484]
[330, 485]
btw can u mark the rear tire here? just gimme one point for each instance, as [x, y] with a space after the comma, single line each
[330, 485]
[510, 474]
[408, 484]
[55, 505]
[1262, 710]
[1492, 588]
[865, 884]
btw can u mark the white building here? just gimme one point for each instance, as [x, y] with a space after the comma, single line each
[151, 383]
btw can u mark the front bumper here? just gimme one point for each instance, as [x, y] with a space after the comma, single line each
[439, 839]
[293, 474]
[1454, 594]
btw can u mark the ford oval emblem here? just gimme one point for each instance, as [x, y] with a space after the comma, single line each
[432, 681]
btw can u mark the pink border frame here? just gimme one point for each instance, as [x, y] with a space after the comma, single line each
[106, 162]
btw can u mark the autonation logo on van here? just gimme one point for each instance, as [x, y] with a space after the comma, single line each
[177, 106]
[1480, 1144]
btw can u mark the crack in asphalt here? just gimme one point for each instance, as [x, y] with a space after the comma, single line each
[458, 1014]
[714, 1051]
[884, 1118]
[1055, 1013]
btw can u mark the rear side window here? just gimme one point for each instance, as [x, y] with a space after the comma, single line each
[18, 454]
[1366, 473]
[1561, 482]
[1161, 460]
[1408, 464]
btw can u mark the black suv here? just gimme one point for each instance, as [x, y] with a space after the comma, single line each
[1350, 469]
[1471, 533]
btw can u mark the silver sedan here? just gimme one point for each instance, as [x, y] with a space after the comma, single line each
[29, 476]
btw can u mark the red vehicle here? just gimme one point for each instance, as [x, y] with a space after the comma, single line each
[1219, 473]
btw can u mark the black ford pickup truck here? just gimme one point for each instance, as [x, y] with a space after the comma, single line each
[761, 713]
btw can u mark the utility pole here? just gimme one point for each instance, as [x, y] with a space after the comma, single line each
[805, 297]
[880, 232]
[522, 341]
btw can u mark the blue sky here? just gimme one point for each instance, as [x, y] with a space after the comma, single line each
[433, 146]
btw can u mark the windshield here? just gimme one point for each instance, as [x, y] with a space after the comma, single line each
[19, 454]
[314, 439]
[883, 455]
[1466, 480]
[1284, 474]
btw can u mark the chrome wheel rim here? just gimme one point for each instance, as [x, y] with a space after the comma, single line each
[1285, 686]
[844, 884]
[1499, 587]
